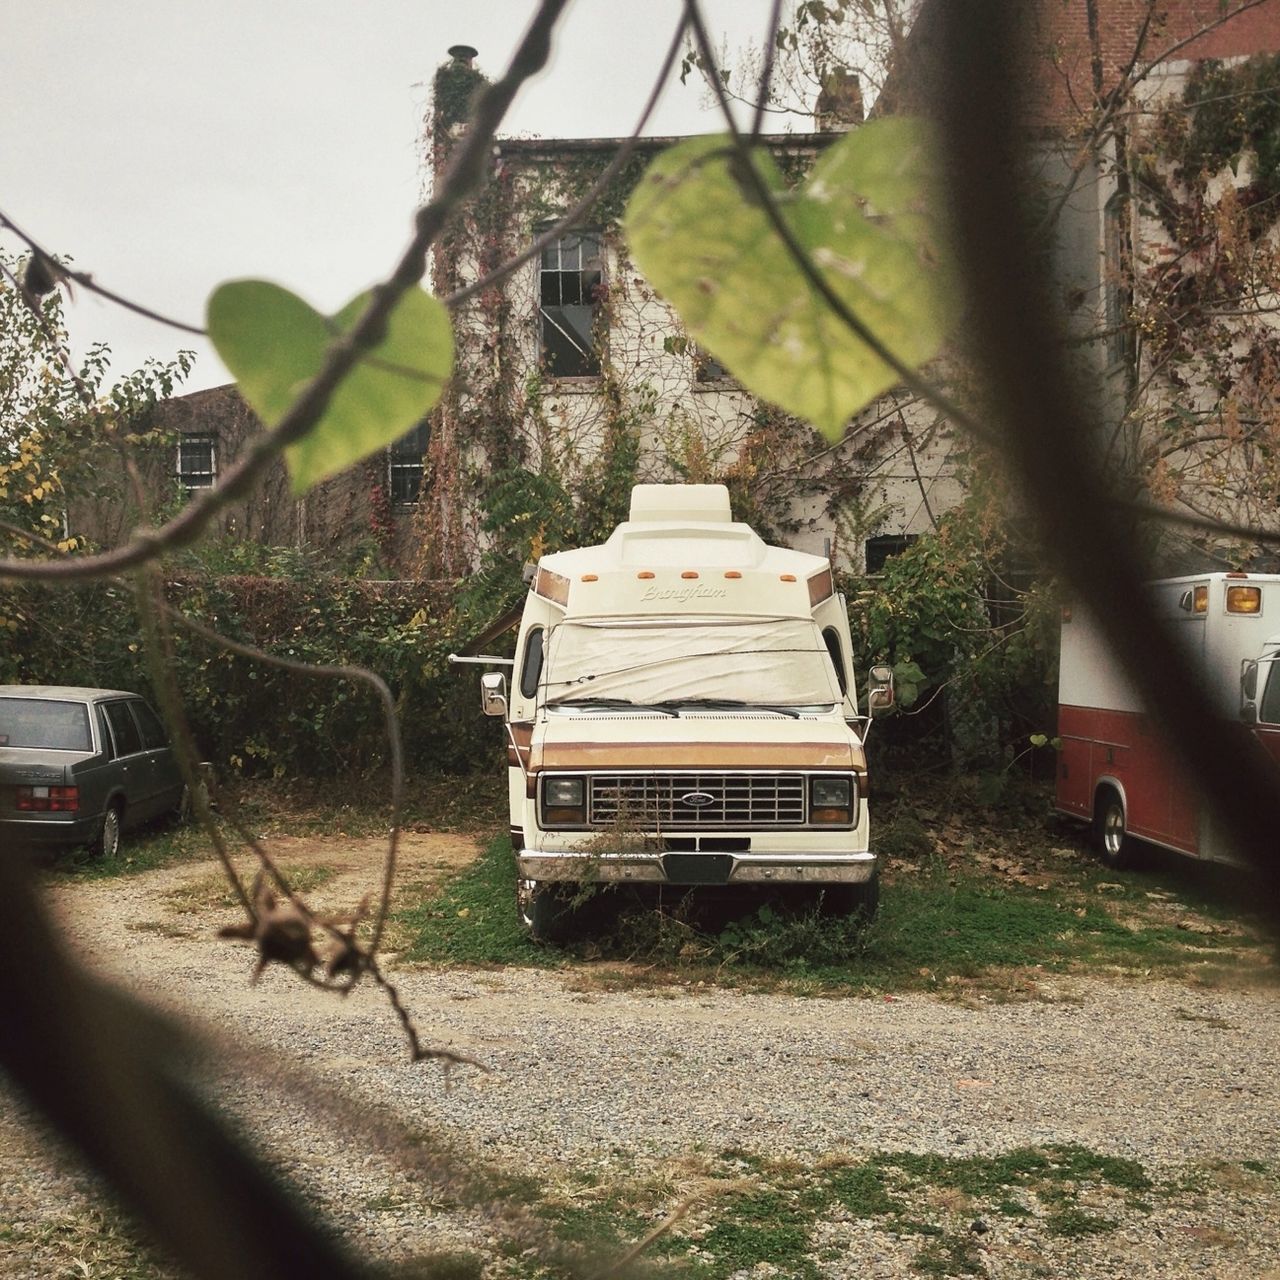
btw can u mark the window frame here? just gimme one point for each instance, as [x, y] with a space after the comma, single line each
[904, 541]
[399, 461]
[594, 360]
[189, 440]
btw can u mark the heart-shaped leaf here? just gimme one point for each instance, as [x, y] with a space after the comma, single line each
[699, 233]
[274, 344]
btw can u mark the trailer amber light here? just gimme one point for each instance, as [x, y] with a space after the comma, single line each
[645, 574]
[562, 816]
[1200, 600]
[832, 815]
[1244, 599]
[786, 577]
[732, 573]
[552, 586]
[590, 577]
[689, 573]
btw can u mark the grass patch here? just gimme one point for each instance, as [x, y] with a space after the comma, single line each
[214, 892]
[943, 928]
[141, 850]
[473, 920]
[749, 1209]
[95, 1242]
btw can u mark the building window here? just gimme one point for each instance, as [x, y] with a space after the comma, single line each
[706, 368]
[197, 462]
[884, 547]
[1117, 294]
[404, 466]
[570, 283]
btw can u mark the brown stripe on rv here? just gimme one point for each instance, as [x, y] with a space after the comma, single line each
[698, 755]
[521, 740]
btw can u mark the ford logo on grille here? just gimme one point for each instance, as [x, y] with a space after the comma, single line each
[697, 799]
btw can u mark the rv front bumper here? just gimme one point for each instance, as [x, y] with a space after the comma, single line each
[755, 867]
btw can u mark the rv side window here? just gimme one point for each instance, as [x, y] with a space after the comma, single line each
[832, 638]
[531, 666]
[1269, 712]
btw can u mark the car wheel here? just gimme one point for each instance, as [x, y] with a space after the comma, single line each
[107, 845]
[546, 911]
[856, 901]
[1112, 843]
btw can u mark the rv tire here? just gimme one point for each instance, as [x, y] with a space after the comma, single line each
[1112, 843]
[546, 911]
[857, 901]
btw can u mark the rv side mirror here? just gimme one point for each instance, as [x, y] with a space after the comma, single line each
[1249, 691]
[493, 693]
[879, 689]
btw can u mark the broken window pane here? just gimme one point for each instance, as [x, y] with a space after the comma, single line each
[706, 368]
[569, 285]
[882, 547]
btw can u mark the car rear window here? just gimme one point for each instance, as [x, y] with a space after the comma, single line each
[44, 723]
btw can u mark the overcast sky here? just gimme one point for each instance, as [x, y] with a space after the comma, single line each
[168, 145]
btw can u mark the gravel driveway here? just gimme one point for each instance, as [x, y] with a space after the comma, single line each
[590, 1087]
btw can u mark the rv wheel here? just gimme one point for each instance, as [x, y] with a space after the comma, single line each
[1112, 842]
[856, 900]
[546, 911]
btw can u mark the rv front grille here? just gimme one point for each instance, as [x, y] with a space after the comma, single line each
[691, 802]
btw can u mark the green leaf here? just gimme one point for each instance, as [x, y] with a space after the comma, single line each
[274, 344]
[699, 233]
[1039, 739]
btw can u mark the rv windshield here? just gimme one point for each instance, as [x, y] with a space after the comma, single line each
[779, 662]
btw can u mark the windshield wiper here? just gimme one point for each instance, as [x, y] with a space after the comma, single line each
[613, 703]
[729, 704]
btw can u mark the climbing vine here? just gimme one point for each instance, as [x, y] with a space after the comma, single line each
[1204, 421]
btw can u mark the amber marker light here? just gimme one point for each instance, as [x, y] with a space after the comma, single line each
[732, 573]
[689, 573]
[786, 577]
[590, 577]
[1244, 599]
[645, 574]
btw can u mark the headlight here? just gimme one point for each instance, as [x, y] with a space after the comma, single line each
[831, 800]
[564, 802]
[566, 793]
[831, 793]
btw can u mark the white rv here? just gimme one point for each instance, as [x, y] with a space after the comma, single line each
[1115, 768]
[682, 710]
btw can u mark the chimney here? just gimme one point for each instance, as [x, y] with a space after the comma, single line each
[839, 104]
[463, 55]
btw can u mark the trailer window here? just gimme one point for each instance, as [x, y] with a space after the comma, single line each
[832, 638]
[531, 666]
[1269, 711]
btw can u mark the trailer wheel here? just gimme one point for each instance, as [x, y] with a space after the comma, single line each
[1113, 844]
[546, 911]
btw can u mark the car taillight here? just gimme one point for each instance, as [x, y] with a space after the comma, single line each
[48, 799]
